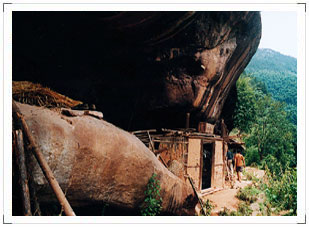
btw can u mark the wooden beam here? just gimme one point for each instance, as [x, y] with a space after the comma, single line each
[160, 151]
[150, 141]
[23, 176]
[170, 141]
[144, 131]
[18, 117]
[196, 194]
[164, 163]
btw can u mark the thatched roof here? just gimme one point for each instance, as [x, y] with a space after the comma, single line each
[36, 94]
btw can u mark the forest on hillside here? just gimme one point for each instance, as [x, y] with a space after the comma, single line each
[278, 74]
[266, 118]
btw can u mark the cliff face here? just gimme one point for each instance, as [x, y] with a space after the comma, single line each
[141, 69]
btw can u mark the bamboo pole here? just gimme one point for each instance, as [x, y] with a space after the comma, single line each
[164, 163]
[196, 194]
[42, 162]
[150, 141]
[23, 176]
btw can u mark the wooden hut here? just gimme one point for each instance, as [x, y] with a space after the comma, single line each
[186, 153]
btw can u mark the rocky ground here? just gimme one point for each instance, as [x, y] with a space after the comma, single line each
[226, 198]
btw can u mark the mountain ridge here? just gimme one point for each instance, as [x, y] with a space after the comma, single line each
[275, 61]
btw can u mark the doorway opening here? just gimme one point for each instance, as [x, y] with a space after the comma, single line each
[207, 164]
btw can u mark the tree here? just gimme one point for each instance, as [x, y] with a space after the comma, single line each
[265, 122]
[272, 132]
[245, 105]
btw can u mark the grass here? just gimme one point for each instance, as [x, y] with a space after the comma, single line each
[227, 212]
[277, 199]
[250, 177]
[207, 206]
[248, 194]
[243, 210]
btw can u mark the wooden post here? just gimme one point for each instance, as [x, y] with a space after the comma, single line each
[164, 163]
[195, 192]
[42, 162]
[23, 176]
[150, 141]
[224, 131]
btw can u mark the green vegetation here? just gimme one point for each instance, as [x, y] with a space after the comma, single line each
[227, 212]
[243, 210]
[278, 73]
[275, 194]
[265, 116]
[245, 110]
[249, 194]
[277, 190]
[281, 189]
[267, 59]
[250, 176]
[208, 206]
[152, 203]
[268, 130]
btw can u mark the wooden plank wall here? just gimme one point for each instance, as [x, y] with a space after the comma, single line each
[194, 159]
[176, 151]
[217, 179]
[189, 154]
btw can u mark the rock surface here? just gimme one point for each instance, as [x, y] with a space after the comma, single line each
[141, 69]
[96, 162]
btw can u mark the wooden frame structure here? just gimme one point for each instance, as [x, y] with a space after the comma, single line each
[181, 151]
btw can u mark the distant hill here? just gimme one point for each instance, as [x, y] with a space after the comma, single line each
[279, 73]
[267, 59]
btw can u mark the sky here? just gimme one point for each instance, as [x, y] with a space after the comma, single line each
[279, 32]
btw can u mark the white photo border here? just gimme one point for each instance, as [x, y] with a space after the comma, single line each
[6, 110]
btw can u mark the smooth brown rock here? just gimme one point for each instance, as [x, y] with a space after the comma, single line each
[142, 69]
[94, 162]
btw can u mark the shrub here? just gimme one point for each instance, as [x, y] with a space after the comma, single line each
[244, 209]
[224, 212]
[252, 156]
[250, 176]
[281, 189]
[254, 164]
[265, 208]
[208, 207]
[153, 200]
[248, 194]
[227, 212]
[272, 164]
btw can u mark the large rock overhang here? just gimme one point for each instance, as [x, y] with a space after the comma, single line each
[141, 69]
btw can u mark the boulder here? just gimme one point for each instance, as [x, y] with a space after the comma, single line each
[96, 162]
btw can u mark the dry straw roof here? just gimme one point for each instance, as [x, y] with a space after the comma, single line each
[36, 94]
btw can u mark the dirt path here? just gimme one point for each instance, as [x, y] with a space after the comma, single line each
[227, 197]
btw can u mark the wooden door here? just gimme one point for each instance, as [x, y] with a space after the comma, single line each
[194, 161]
[217, 180]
